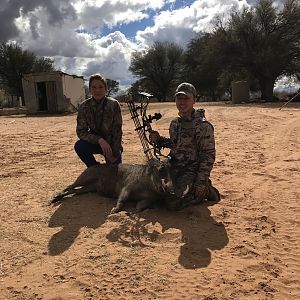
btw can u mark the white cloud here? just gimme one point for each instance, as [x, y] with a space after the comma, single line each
[71, 31]
[35, 33]
[75, 45]
[113, 57]
[181, 25]
[95, 14]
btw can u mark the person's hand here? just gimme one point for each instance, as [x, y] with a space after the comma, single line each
[153, 136]
[111, 160]
[200, 190]
[107, 152]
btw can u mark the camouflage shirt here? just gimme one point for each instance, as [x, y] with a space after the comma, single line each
[192, 145]
[98, 119]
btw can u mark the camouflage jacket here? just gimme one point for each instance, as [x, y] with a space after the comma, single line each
[192, 145]
[98, 119]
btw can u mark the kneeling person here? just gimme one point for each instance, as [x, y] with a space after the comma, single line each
[192, 147]
[99, 125]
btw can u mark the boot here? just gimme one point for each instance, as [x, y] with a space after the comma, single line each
[213, 194]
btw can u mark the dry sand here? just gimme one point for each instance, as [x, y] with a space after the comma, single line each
[244, 247]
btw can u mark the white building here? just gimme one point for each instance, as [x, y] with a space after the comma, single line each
[52, 92]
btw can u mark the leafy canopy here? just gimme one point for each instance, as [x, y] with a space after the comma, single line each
[15, 62]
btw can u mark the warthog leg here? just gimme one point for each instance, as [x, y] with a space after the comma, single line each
[145, 203]
[74, 189]
[145, 198]
[123, 197]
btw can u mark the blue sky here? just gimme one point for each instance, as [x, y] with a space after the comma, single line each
[130, 29]
[90, 36]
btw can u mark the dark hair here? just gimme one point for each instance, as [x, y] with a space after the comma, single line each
[97, 76]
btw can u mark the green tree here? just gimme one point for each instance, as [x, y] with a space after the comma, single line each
[263, 40]
[207, 65]
[112, 86]
[43, 64]
[158, 69]
[14, 62]
[202, 66]
[258, 44]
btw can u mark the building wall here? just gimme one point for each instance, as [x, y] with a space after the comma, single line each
[69, 89]
[30, 92]
[73, 89]
[240, 91]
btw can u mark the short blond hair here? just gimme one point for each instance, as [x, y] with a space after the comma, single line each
[97, 76]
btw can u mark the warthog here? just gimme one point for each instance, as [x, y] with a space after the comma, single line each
[144, 184]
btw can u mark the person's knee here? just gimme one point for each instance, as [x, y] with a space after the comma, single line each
[77, 147]
[80, 146]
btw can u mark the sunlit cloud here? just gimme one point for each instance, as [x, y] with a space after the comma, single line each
[83, 37]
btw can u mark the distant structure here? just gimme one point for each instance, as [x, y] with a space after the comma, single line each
[7, 100]
[240, 91]
[52, 92]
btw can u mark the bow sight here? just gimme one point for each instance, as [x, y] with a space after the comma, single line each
[142, 122]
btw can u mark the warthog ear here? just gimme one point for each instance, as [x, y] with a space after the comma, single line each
[186, 191]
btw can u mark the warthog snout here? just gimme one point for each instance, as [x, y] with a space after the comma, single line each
[168, 187]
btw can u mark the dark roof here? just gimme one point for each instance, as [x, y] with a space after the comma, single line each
[53, 72]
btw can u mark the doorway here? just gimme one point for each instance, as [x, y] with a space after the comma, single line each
[42, 96]
[46, 94]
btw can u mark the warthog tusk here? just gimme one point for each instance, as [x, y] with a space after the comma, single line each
[186, 191]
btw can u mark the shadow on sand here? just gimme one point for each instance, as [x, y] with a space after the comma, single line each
[193, 228]
[199, 233]
[89, 210]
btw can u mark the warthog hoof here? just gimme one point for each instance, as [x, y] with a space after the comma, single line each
[55, 199]
[213, 195]
[115, 210]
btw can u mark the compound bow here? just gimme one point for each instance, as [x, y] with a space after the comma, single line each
[142, 122]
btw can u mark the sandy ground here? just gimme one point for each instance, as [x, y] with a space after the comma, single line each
[244, 247]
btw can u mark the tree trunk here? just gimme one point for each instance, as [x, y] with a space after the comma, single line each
[267, 87]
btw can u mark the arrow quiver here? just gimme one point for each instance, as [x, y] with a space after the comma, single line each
[143, 122]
